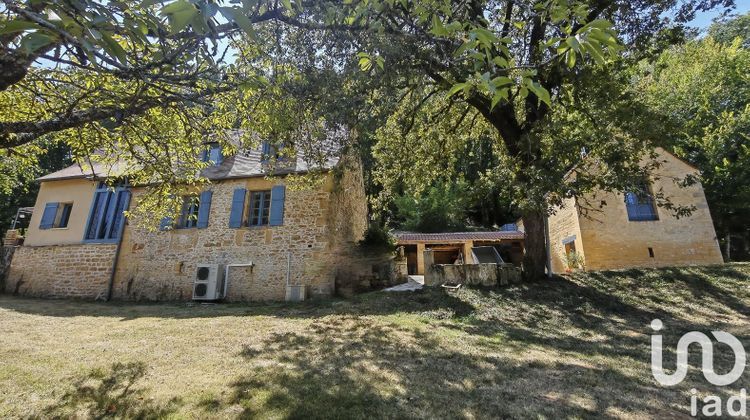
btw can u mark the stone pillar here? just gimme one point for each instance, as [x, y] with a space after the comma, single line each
[420, 259]
[429, 272]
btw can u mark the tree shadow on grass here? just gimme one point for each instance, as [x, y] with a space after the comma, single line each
[110, 393]
[349, 368]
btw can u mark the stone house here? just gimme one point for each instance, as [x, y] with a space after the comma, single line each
[80, 245]
[631, 231]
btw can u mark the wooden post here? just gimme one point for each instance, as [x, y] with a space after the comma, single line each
[420, 259]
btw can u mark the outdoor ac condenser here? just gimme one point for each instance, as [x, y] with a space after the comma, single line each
[209, 282]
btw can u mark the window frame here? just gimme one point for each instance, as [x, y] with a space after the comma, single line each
[188, 213]
[105, 222]
[60, 215]
[209, 150]
[264, 210]
[637, 202]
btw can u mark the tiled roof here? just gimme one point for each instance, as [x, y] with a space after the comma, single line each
[245, 164]
[458, 236]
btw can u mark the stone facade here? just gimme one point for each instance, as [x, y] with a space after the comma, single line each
[320, 230]
[607, 239]
[70, 271]
[564, 226]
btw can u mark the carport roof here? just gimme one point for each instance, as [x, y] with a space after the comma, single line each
[403, 237]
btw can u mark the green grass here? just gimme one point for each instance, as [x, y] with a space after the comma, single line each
[569, 347]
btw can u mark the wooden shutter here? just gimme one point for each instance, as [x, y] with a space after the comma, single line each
[238, 208]
[204, 209]
[277, 205]
[48, 217]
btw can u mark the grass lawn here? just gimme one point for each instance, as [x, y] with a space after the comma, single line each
[570, 347]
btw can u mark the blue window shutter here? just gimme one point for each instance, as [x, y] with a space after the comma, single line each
[48, 217]
[220, 156]
[166, 223]
[238, 207]
[277, 205]
[204, 209]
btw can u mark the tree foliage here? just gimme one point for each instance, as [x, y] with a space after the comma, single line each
[701, 93]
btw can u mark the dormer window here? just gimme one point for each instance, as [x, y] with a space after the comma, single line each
[212, 153]
[271, 151]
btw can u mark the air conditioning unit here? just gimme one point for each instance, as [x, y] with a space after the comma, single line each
[209, 282]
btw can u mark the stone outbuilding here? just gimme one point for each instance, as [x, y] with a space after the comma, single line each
[459, 247]
[629, 230]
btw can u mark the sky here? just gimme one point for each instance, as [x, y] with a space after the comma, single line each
[703, 20]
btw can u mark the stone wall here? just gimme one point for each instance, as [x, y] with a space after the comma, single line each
[611, 241]
[71, 271]
[162, 265]
[468, 274]
[563, 226]
[473, 274]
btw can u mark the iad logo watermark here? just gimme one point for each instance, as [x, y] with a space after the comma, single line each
[712, 404]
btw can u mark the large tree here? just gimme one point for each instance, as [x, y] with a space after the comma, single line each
[147, 74]
[700, 93]
[511, 61]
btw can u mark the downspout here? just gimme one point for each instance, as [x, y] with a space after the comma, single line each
[111, 284]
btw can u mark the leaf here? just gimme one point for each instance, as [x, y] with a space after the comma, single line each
[365, 61]
[236, 15]
[499, 95]
[180, 14]
[458, 86]
[595, 51]
[17, 25]
[500, 61]
[540, 92]
[465, 47]
[437, 27]
[114, 48]
[501, 81]
[35, 41]
[288, 5]
[484, 36]
[570, 58]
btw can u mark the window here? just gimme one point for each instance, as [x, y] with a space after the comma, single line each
[56, 215]
[63, 215]
[640, 204]
[213, 154]
[189, 213]
[260, 205]
[570, 248]
[106, 218]
[271, 151]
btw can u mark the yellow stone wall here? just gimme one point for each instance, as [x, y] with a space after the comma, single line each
[80, 192]
[161, 265]
[564, 224]
[611, 241]
[70, 271]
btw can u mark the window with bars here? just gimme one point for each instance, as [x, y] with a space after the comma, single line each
[259, 208]
[640, 204]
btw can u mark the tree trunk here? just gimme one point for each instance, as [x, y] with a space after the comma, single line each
[728, 247]
[535, 256]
